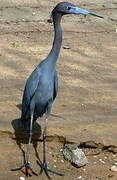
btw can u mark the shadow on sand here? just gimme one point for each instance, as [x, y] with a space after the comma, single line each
[22, 136]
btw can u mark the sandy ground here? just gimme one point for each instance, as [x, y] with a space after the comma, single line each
[85, 111]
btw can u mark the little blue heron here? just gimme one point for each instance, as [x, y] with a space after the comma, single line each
[42, 86]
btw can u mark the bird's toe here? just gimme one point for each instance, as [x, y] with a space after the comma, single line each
[26, 170]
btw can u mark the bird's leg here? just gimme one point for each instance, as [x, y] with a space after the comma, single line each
[25, 168]
[43, 165]
[44, 140]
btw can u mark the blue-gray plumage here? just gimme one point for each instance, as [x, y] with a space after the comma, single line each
[40, 91]
[42, 85]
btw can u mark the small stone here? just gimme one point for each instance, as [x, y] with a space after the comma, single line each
[79, 177]
[66, 47]
[95, 156]
[62, 161]
[33, 13]
[22, 178]
[101, 161]
[61, 150]
[114, 168]
[75, 155]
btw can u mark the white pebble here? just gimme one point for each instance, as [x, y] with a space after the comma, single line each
[116, 29]
[54, 160]
[95, 156]
[33, 13]
[54, 166]
[101, 161]
[114, 168]
[79, 177]
[22, 178]
[62, 161]
[66, 47]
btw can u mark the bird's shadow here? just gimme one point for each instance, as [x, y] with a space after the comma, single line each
[22, 136]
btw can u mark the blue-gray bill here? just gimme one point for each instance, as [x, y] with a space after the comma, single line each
[77, 10]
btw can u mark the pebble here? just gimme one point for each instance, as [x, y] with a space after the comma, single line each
[79, 177]
[22, 178]
[66, 47]
[62, 161]
[95, 156]
[101, 161]
[114, 168]
[75, 155]
[33, 13]
[84, 169]
[61, 150]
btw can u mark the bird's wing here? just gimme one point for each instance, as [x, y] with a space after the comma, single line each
[29, 91]
[55, 85]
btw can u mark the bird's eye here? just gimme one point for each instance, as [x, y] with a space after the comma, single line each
[68, 7]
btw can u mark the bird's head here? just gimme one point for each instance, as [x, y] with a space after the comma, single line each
[69, 8]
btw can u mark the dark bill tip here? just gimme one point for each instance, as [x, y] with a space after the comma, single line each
[95, 15]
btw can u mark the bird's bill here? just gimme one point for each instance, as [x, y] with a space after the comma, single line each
[77, 10]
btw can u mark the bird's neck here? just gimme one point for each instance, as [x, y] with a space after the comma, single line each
[54, 53]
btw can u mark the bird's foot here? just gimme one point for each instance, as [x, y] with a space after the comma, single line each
[26, 169]
[46, 169]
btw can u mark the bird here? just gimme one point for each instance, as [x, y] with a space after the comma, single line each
[42, 86]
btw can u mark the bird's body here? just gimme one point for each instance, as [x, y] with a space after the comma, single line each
[40, 93]
[42, 85]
